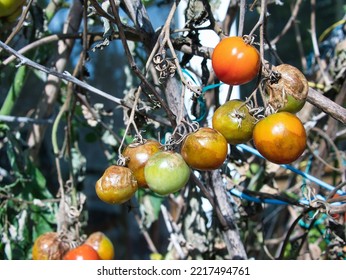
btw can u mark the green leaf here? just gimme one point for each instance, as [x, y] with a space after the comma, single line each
[36, 186]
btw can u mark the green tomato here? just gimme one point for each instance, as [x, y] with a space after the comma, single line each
[234, 121]
[8, 7]
[166, 172]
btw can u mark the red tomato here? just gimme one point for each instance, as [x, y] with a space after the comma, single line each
[280, 137]
[82, 252]
[235, 62]
[204, 149]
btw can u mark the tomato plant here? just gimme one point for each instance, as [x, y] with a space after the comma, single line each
[101, 244]
[280, 137]
[234, 121]
[10, 7]
[138, 155]
[48, 246]
[117, 185]
[234, 61]
[204, 149]
[287, 92]
[82, 252]
[166, 172]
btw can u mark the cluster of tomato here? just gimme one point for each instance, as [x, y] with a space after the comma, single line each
[280, 136]
[51, 246]
[10, 10]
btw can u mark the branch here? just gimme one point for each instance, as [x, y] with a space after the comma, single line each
[289, 23]
[62, 76]
[326, 105]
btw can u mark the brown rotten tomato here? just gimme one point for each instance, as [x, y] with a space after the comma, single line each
[82, 252]
[48, 246]
[234, 121]
[117, 185]
[280, 137]
[287, 92]
[138, 155]
[204, 149]
[101, 244]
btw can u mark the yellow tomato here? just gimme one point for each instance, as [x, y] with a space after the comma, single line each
[102, 244]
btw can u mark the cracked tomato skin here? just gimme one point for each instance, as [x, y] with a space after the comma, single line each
[235, 62]
[204, 149]
[280, 137]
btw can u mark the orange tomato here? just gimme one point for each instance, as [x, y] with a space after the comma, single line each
[117, 185]
[235, 62]
[48, 246]
[138, 155]
[204, 149]
[280, 137]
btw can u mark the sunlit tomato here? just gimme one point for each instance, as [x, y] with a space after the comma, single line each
[166, 172]
[234, 122]
[9, 7]
[82, 252]
[101, 244]
[48, 246]
[280, 137]
[234, 61]
[289, 91]
[117, 185]
[138, 155]
[204, 149]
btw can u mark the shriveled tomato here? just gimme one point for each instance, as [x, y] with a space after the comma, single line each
[234, 122]
[287, 92]
[117, 185]
[101, 244]
[234, 61]
[166, 172]
[48, 246]
[204, 149]
[138, 155]
[82, 252]
[280, 137]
